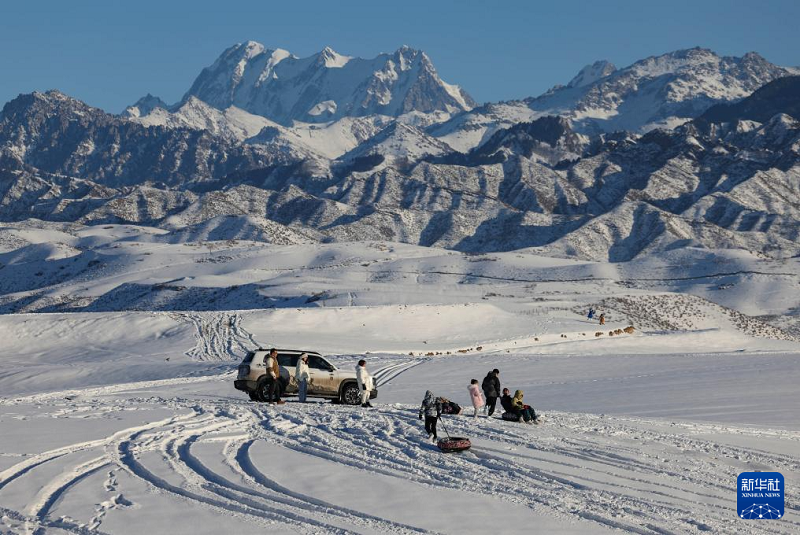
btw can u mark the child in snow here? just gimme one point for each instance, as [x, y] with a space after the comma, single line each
[506, 401]
[590, 315]
[526, 411]
[603, 318]
[477, 396]
[432, 409]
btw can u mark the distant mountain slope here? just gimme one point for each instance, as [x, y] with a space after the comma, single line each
[325, 86]
[658, 92]
[58, 134]
[778, 96]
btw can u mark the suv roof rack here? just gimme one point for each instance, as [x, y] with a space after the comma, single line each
[289, 350]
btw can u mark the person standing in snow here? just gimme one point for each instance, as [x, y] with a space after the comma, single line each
[302, 377]
[477, 398]
[590, 315]
[431, 408]
[526, 411]
[274, 371]
[603, 318]
[364, 382]
[491, 389]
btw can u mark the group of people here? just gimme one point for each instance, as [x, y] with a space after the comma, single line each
[303, 377]
[484, 398]
[601, 317]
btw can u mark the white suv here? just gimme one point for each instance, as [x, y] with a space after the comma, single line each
[327, 381]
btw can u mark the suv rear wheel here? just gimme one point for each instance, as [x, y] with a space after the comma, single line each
[351, 395]
[262, 390]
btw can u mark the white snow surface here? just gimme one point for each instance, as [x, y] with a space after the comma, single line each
[126, 421]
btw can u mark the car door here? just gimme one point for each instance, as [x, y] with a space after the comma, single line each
[288, 364]
[323, 377]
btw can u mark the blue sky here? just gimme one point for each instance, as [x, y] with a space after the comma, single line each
[109, 54]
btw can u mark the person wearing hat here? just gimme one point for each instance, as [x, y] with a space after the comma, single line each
[302, 377]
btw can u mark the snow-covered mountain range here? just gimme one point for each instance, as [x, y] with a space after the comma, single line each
[325, 86]
[271, 147]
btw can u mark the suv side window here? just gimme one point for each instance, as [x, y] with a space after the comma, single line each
[288, 361]
[318, 363]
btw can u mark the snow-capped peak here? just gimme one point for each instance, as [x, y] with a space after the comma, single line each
[592, 73]
[144, 106]
[325, 86]
[333, 60]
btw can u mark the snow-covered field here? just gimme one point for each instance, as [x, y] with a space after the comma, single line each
[120, 415]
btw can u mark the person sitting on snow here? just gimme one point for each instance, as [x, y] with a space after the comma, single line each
[506, 401]
[526, 411]
[432, 409]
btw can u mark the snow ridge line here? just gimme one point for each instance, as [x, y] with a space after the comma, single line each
[582, 279]
[111, 389]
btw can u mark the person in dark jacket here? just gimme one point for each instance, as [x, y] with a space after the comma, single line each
[491, 389]
[432, 408]
[507, 401]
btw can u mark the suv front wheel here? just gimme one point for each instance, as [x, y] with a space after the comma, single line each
[351, 395]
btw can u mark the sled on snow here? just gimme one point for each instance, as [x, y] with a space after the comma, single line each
[517, 417]
[453, 444]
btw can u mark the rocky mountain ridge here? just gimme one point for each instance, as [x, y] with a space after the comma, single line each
[726, 179]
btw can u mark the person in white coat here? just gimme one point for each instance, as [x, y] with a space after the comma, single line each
[364, 382]
[302, 377]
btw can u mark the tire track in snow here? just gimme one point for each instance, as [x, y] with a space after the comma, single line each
[614, 505]
[49, 495]
[387, 373]
[577, 467]
[37, 511]
[246, 466]
[124, 453]
[219, 336]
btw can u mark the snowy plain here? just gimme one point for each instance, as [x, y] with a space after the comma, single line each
[119, 415]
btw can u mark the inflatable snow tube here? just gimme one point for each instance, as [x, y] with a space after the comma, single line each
[512, 417]
[453, 444]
